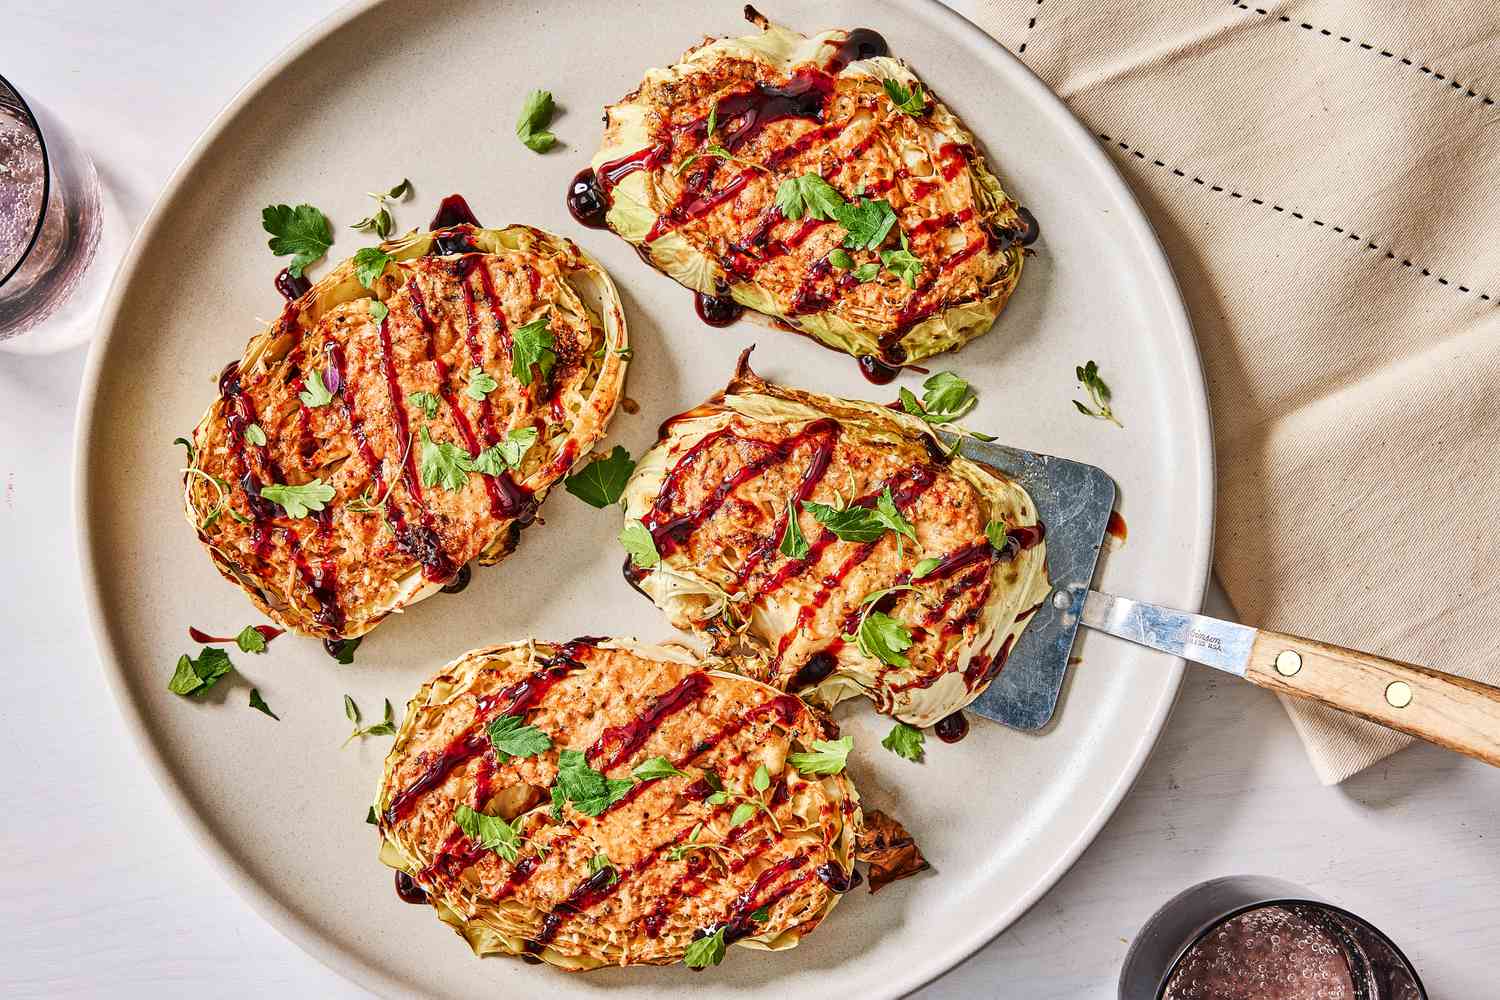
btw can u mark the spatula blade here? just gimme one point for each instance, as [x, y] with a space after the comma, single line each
[1074, 501]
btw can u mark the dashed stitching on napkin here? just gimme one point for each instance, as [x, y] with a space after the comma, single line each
[1467, 91]
[1348, 234]
[1029, 25]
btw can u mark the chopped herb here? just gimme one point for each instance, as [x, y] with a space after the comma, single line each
[886, 513]
[862, 272]
[603, 481]
[343, 650]
[909, 102]
[902, 263]
[742, 814]
[259, 704]
[385, 727]
[850, 524]
[761, 915]
[255, 434]
[481, 383]
[879, 635]
[532, 345]
[379, 311]
[809, 194]
[370, 262]
[945, 397]
[536, 115]
[762, 779]
[904, 741]
[623, 353]
[712, 148]
[590, 792]
[380, 221]
[442, 462]
[505, 454]
[490, 832]
[656, 767]
[303, 232]
[314, 393]
[793, 543]
[221, 498]
[512, 737]
[427, 402]
[825, 757]
[639, 543]
[197, 676]
[1098, 390]
[867, 223]
[998, 534]
[719, 796]
[925, 566]
[250, 640]
[188, 445]
[297, 501]
[705, 951]
[370, 817]
[600, 863]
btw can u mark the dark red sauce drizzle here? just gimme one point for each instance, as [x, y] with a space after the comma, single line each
[952, 728]
[876, 370]
[628, 738]
[859, 43]
[408, 890]
[587, 202]
[459, 582]
[267, 632]
[717, 310]
[292, 288]
[817, 667]
[1116, 528]
[453, 211]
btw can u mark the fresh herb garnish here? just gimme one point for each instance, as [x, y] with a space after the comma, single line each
[809, 194]
[910, 102]
[879, 635]
[705, 951]
[793, 542]
[945, 398]
[197, 676]
[888, 515]
[639, 543]
[902, 263]
[314, 393]
[600, 863]
[250, 640]
[536, 115]
[904, 741]
[623, 353]
[925, 566]
[303, 232]
[862, 272]
[255, 434]
[603, 481]
[512, 737]
[850, 524]
[825, 757]
[712, 148]
[370, 817]
[343, 650]
[298, 500]
[442, 462]
[370, 263]
[866, 223]
[188, 445]
[221, 498]
[532, 345]
[379, 311]
[490, 832]
[590, 792]
[380, 222]
[1098, 390]
[998, 533]
[502, 455]
[427, 402]
[656, 767]
[385, 727]
[259, 704]
[761, 915]
[481, 383]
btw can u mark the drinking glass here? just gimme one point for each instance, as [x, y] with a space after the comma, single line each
[60, 233]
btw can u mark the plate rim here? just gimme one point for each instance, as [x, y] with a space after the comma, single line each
[292, 925]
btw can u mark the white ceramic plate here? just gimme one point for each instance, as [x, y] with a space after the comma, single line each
[431, 91]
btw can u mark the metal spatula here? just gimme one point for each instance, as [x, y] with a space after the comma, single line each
[1074, 501]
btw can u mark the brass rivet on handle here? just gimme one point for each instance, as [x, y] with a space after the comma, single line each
[1288, 662]
[1398, 694]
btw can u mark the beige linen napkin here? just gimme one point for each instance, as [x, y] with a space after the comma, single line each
[1326, 179]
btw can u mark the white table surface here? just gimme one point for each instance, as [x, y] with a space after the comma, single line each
[103, 893]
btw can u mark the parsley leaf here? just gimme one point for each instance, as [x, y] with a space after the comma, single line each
[259, 704]
[502, 455]
[910, 102]
[862, 272]
[197, 676]
[532, 345]
[761, 915]
[947, 397]
[902, 263]
[809, 194]
[427, 402]
[639, 543]
[370, 263]
[850, 524]
[298, 500]
[314, 393]
[925, 566]
[343, 650]
[705, 951]
[255, 434]
[825, 757]
[590, 792]
[481, 383]
[1098, 390]
[998, 534]
[512, 737]
[879, 635]
[866, 223]
[536, 115]
[603, 481]
[600, 863]
[442, 463]
[762, 779]
[886, 513]
[656, 767]
[793, 542]
[250, 640]
[303, 232]
[489, 832]
[904, 741]
[379, 311]
[385, 727]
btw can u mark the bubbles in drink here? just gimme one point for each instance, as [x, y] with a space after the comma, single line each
[1270, 953]
[23, 178]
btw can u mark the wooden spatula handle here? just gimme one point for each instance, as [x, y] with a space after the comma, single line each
[1451, 711]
